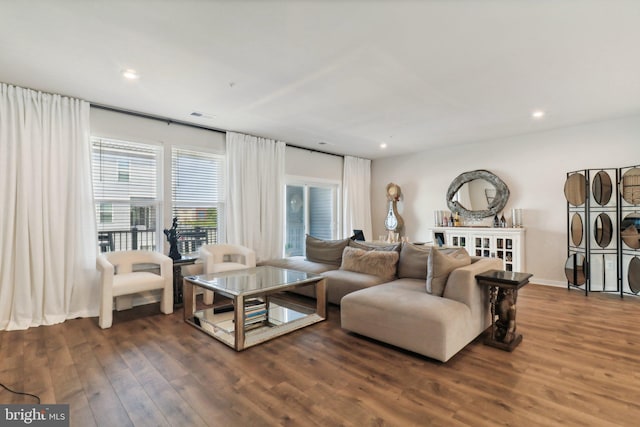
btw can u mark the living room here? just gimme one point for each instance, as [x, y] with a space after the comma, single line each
[575, 363]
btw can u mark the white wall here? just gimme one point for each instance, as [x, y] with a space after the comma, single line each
[127, 127]
[312, 164]
[533, 166]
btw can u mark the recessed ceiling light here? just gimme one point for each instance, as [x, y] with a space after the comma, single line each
[130, 74]
[383, 145]
[538, 114]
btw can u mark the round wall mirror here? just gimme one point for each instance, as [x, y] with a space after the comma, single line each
[574, 189]
[575, 268]
[477, 194]
[630, 186]
[629, 230]
[634, 274]
[576, 229]
[601, 188]
[603, 230]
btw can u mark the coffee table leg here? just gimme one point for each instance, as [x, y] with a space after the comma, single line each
[239, 322]
[321, 298]
[189, 298]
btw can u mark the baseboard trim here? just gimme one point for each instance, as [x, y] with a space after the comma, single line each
[546, 282]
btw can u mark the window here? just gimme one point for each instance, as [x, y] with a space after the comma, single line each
[123, 171]
[311, 209]
[105, 212]
[126, 187]
[197, 197]
[143, 217]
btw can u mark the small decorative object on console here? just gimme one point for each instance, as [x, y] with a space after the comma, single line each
[172, 238]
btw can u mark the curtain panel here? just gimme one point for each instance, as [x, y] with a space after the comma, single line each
[356, 194]
[255, 197]
[47, 220]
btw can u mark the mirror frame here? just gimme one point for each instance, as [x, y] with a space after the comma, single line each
[498, 203]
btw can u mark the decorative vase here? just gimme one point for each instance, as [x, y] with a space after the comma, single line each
[394, 221]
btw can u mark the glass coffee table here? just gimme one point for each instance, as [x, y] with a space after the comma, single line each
[261, 309]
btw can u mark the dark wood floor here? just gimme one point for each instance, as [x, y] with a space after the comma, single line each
[579, 364]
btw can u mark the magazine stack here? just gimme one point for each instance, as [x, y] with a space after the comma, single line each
[255, 312]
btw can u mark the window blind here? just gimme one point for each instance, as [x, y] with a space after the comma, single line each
[321, 211]
[197, 196]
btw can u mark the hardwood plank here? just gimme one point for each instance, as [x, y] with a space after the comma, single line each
[66, 383]
[166, 398]
[12, 367]
[102, 398]
[578, 365]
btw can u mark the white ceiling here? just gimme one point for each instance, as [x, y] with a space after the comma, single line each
[351, 74]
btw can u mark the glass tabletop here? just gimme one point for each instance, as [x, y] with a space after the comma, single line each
[252, 280]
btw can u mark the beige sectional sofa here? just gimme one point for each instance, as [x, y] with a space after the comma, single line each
[420, 298]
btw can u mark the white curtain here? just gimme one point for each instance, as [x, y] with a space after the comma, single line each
[356, 194]
[255, 183]
[47, 219]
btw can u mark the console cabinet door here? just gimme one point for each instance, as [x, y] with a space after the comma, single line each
[457, 239]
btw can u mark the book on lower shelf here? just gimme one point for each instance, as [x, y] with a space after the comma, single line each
[255, 311]
[256, 316]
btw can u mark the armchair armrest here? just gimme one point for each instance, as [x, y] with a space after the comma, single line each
[104, 266]
[206, 256]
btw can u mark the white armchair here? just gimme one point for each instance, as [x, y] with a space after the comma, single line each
[224, 257]
[118, 278]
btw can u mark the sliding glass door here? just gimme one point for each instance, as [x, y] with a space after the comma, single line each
[311, 209]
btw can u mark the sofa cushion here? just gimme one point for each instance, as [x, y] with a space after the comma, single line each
[377, 263]
[343, 282]
[367, 246]
[441, 263]
[299, 263]
[325, 251]
[413, 261]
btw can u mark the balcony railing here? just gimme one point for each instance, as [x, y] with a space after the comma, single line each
[189, 239]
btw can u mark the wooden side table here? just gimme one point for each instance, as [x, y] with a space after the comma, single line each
[177, 277]
[503, 295]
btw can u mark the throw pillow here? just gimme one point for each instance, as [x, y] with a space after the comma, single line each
[377, 263]
[413, 261]
[374, 246]
[325, 251]
[440, 265]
